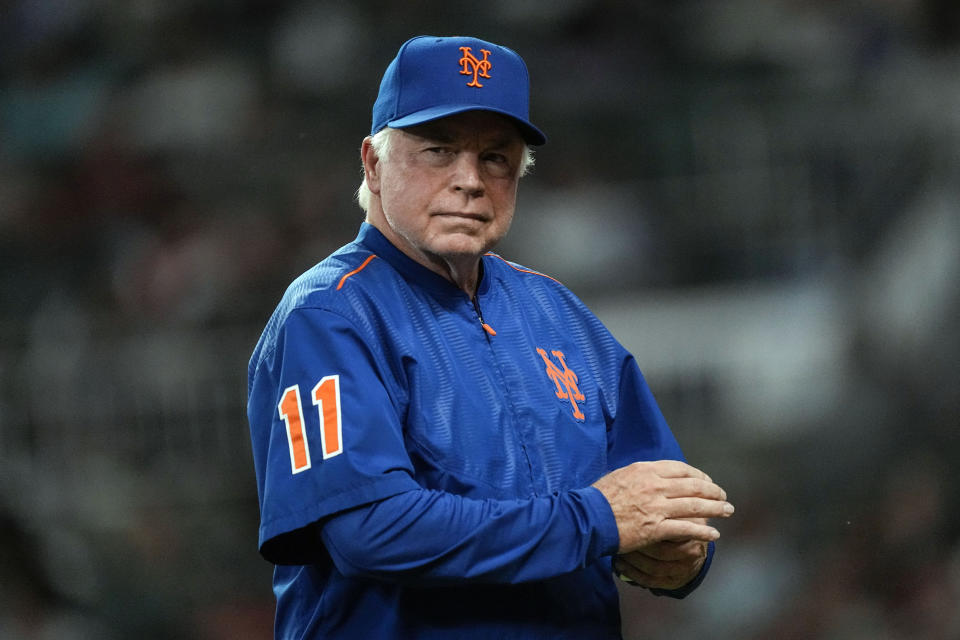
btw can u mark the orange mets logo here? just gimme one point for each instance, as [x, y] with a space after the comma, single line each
[566, 381]
[470, 65]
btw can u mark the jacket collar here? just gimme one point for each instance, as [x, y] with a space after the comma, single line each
[372, 239]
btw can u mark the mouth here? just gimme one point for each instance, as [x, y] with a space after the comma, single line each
[479, 217]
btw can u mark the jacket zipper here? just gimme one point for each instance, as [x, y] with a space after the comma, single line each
[486, 327]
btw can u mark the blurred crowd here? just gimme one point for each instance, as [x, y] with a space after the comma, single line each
[168, 166]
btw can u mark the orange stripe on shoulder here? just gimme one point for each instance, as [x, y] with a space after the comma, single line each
[357, 270]
[516, 268]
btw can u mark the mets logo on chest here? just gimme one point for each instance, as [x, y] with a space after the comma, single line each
[470, 65]
[565, 380]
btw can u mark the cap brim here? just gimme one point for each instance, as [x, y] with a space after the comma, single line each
[530, 133]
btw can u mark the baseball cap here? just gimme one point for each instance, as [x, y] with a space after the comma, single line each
[434, 77]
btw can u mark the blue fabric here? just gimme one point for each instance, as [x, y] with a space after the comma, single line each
[433, 537]
[460, 500]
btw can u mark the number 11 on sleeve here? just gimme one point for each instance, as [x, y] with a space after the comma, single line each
[326, 397]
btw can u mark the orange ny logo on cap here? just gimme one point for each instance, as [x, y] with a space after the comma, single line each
[470, 65]
[566, 381]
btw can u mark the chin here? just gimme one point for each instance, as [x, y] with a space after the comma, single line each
[462, 246]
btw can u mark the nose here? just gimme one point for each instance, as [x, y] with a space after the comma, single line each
[467, 177]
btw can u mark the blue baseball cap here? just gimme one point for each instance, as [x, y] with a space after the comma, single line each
[434, 77]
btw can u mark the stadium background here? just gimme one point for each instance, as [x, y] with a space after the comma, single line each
[760, 198]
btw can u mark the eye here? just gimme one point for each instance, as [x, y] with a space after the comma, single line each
[438, 155]
[498, 164]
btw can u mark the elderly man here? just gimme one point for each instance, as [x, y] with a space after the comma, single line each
[448, 444]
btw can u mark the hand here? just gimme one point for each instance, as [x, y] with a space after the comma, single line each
[663, 565]
[660, 501]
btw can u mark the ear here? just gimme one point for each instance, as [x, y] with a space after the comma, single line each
[371, 165]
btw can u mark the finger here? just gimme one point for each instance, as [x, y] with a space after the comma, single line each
[674, 578]
[659, 568]
[697, 508]
[635, 575]
[647, 566]
[669, 551]
[683, 568]
[693, 488]
[677, 469]
[674, 529]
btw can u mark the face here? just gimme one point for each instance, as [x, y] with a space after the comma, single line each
[448, 188]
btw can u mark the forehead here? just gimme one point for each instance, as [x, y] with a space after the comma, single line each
[489, 128]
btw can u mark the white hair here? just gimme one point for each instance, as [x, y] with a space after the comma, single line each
[381, 143]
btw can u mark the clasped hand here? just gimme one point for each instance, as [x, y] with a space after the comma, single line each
[661, 509]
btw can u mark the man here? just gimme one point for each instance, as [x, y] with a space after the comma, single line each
[448, 444]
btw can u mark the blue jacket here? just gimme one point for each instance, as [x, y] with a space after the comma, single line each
[424, 461]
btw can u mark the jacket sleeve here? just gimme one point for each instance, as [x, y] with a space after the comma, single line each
[430, 537]
[321, 450]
